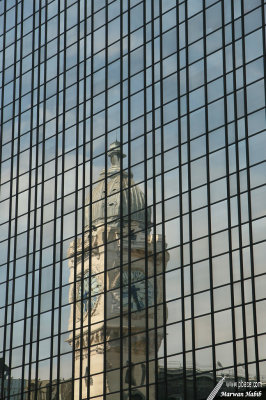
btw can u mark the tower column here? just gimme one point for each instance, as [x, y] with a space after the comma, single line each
[113, 298]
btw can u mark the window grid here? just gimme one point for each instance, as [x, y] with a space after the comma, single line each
[213, 212]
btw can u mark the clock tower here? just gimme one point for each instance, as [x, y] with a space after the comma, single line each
[116, 292]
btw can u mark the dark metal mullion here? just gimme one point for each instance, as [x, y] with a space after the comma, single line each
[181, 213]
[193, 339]
[85, 228]
[249, 189]
[264, 63]
[17, 194]
[10, 197]
[16, 200]
[81, 328]
[228, 200]
[105, 329]
[263, 23]
[155, 327]
[164, 262]
[2, 95]
[90, 175]
[35, 228]
[29, 219]
[74, 350]
[147, 222]
[239, 201]
[128, 190]
[53, 324]
[208, 191]
[42, 203]
[62, 209]
[9, 247]
[121, 230]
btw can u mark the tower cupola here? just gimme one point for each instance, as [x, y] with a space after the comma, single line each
[113, 201]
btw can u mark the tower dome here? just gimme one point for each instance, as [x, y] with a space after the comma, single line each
[116, 204]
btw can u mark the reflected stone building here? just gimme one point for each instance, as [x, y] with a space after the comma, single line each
[116, 289]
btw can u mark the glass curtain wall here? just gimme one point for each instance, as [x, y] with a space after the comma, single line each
[132, 204]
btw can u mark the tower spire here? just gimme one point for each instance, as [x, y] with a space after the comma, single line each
[115, 154]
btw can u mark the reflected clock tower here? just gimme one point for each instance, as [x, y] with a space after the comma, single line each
[116, 296]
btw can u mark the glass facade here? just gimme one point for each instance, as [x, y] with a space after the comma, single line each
[132, 204]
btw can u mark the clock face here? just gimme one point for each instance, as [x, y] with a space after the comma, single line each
[90, 296]
[136, 295]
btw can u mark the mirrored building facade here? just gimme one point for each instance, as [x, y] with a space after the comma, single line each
[132, 204]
